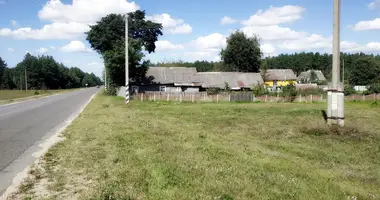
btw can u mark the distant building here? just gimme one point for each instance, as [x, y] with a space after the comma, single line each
[183, 79]
[279, 77]
[305, 77]
[235, 80]
[170, 79]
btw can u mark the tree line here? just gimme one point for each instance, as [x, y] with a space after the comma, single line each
[43, 72]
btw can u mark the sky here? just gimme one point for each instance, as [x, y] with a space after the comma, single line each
[193, 30]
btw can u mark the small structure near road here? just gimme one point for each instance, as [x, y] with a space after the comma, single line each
[277, 78]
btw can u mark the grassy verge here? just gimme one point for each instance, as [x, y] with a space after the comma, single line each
[11, 96]
[211, 151]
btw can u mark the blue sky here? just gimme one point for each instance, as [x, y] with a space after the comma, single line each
[192, 29]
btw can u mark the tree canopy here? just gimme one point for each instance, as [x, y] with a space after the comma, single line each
[43, 72]
[242, 53]
[107, 37]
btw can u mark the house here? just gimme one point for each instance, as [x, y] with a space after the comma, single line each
[279, 77]
[170, 79]
[305, 77]
[235, 80]
[183, 79]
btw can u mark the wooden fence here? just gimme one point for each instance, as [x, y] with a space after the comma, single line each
[241, 97]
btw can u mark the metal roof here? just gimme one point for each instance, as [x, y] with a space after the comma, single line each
[280, 75]
[173, 75]
[235, 80]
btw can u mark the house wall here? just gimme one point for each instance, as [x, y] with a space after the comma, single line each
[280, 83]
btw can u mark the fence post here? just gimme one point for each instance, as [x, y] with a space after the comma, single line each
[180, 97]
[142, 97]
[168, 98]
[278, 96]
[311, 98]
[192, 98]
[217, 98]
[363, 97]
[154, 96]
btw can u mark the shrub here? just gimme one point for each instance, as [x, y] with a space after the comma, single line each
[213, 91]
[349, 90]
[259, 90]
[374, 88]
[36, 92]
[290, 91]
[111, 91]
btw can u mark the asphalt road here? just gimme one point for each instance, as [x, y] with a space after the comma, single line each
[23, 124]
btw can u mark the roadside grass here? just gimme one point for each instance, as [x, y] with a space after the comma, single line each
[167, 150]
[10, 96]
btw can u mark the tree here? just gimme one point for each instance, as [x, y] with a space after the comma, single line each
[3, 66]
[313, 76]
[107, 37]
[366, 72]
[242, 53]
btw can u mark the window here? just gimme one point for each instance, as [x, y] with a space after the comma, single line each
[162, 88]
[179, 89]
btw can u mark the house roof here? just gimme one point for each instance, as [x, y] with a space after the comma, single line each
[235, 80]
[173, 75]
[280, 75]
[306, 75]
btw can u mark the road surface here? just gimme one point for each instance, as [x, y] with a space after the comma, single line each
[24, 125]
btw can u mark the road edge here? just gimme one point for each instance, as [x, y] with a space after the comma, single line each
[53, 137]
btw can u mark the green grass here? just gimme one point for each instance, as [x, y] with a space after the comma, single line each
[9, 96]
[224, 151]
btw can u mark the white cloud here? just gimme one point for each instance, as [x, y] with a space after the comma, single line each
[84, 11]
[42, 50]
[275, 16]
[11, 50]
[367, 25]
[227, 20]
[213, 42]
[52, 47]
[202, 55]
[268, 49]
[70, 21]
[171, 25]
[373, 5]
[14, 23]
[75, 46]
[92, 63]
[313, 41]
[51, 31]
[273, 33]
[164, 45]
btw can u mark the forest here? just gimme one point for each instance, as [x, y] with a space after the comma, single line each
[43, 72]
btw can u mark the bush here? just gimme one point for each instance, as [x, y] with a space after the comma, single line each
[374, 88]
[36, 92]
[259, 90]
[349, 90]
[111, 91]
[213, 91]
[290, 91]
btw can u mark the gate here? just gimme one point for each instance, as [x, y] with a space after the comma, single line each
[242, 97]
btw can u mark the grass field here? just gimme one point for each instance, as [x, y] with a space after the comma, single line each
[211, 151]
[9, 96]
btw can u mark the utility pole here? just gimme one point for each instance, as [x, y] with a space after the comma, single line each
[335, 108]
[126, 61]
[26, 81]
